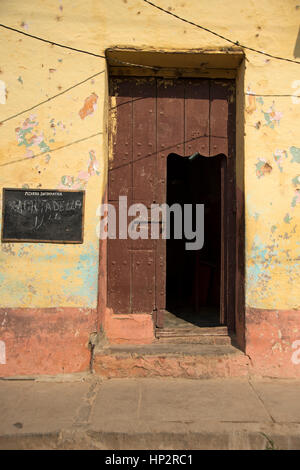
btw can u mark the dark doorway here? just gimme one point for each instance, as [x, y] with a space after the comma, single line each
[193, 277]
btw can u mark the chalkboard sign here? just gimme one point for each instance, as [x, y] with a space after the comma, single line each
[52, 216]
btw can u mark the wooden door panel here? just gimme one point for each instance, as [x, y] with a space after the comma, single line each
[144, 141]
[143, 281]
[121, 110]
[119, 276]
[118, 270]
[170, 128]
[196, 117]
[120, 182]
[156, 117]
[132, 173]
[144, 119]
[219, 95]
[170, 138]
[144, 180]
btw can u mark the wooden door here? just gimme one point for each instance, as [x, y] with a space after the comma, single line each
[153, 118]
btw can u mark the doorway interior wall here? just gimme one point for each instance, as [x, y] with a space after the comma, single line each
[155, 117]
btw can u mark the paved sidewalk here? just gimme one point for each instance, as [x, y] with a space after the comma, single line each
[86, 412]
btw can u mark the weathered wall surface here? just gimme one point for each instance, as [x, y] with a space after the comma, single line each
[48, 293]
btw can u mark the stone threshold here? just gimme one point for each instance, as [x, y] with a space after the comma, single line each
[200, 335]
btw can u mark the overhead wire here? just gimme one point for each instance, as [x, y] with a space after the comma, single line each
[235, 43]
[126, 62]
[51, 98]
[45, 152]
[74, 49]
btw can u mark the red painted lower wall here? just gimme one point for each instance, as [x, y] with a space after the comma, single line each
[55, 340]
[46, 341]
[273, 342]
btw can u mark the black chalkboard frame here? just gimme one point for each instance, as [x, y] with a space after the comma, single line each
[29, 240]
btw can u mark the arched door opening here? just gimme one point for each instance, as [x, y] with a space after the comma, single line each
[193, 277]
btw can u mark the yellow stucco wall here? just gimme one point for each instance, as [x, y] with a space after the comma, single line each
[43, 275]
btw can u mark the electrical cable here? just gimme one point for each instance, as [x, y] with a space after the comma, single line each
[74, 49]
[235, 43]
[51, 150]
[51, 98]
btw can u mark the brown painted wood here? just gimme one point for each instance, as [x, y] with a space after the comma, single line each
[170, 138]
[222, 140]
[144, 180]
[232, 208]
[132, 173]
[144, 141]
[122, 91]
[218, 117]
[223, 301]
[196, 122]
[120, 183]
[174, 72]
[118, 272]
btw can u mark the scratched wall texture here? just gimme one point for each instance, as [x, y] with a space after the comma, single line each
[60, 144]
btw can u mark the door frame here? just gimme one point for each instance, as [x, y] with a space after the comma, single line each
[183, 65]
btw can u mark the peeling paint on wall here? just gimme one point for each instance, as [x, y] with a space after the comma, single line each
[29, 135]
[279, 156]
[24, 25]
[2, 92]
[86, 273]
[262, 168]
[251, 101]
[295, 151]
[295, 97]
[81, 180]
[272, 117]
[287, 219]
[296, 198]
[89, 106]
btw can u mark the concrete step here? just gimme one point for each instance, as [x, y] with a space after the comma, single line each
[193, 331]
[199, 335]
[194, 339]
[170, 360]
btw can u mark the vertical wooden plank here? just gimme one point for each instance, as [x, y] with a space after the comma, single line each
[143, 281]
[170, 128]
[144, 181]
[240, 267]
[222, 140]
[120, 184]
[232, 204]
[219, 117]
[144, 141]
[170, 138]
[223, 261]
[118, 272]
[132, 173]
[196, 123]
[121, 107]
